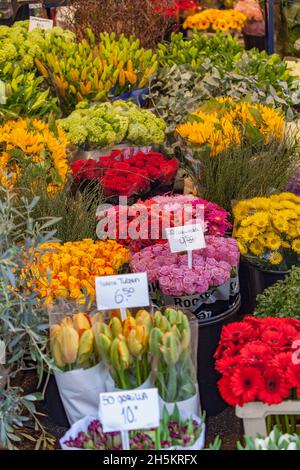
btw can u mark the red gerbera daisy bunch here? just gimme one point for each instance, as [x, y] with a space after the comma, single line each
[259, 360]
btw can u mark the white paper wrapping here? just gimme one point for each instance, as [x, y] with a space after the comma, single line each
[79, 390]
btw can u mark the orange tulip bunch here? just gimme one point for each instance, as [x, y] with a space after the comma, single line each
[72, 343]
[125, 346]
[68, 270]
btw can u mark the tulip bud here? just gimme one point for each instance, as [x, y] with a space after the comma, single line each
[125, 358]
[115, 326]
[185, 339]
[104, 344]
[171, 348]
[67, 321]
[55, 345]
[142, 335]
[144, 318]
[157, 318]
[86, 346]
[128, 325]
[164, 324]
[134, 345]
[171, 314]
[81, 322]
[69, 344]
[155, 341]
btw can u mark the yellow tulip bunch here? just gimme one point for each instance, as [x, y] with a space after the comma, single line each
[26, 143]
[125, 345]
[69, 269]
[267, 229]
[222, 122]
[216, 20]
[72, 343]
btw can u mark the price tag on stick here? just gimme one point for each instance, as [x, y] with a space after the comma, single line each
[129, 410]
[42, 23]
[186, 238]
[122, 291]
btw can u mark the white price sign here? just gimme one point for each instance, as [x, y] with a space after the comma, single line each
[122, 291]
[129, 410]
[185, 238]
[42, 23]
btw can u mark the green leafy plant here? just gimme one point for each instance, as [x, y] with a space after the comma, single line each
[282, 299]
[23, 324]
[243, 172]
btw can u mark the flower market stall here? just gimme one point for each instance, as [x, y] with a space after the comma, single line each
[149, 231]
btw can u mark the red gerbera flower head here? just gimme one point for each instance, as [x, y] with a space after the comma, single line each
[275, 388]
[236, 333]
[289, 332]
[227, 364]
[246, 382]
[273, 338]
[256, 354]
[272, 323]
[293, 375]
[226, 392]
[282, 362]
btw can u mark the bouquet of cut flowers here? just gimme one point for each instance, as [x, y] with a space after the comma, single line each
[212, 266]
[112, 123]
[30, 144]
[221, 122]
[124, 176]
[216, 20]
[124, 345]
[152, 216]
[267, 230]
[175, 431]
[255, 358]
[69, 269]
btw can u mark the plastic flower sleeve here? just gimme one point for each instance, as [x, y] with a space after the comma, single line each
[173, 346]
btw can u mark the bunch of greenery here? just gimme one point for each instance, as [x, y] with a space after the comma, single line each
[225, 53]
[73, 209]
[244, 171]
[282, 299]
[23, 324]
[26, 92]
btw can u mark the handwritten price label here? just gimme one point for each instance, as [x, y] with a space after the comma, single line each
[128, 410]
[185, 238]
[122, 291]
[42, 23]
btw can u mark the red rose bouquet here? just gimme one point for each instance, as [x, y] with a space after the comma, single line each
[258, 360]
[123, 175]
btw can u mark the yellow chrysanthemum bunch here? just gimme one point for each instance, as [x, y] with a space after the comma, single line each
[222, 122]
[268, 228]
[26, 142]
[68, 270]
[217, 20]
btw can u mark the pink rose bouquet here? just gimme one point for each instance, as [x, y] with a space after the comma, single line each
[212, 266]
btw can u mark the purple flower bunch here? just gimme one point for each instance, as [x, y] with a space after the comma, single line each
[294, 183]
[211, 266]
[95, 439]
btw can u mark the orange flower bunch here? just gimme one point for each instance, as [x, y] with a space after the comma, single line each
[68, 270]
[217, 20]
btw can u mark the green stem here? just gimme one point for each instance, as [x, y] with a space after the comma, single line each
[278, 422]
[157, 439]
[138, 373]
[269, 423]
[122, 379]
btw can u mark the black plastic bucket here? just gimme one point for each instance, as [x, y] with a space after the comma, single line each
[209, 331]
[53, 404]
[254, 281]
